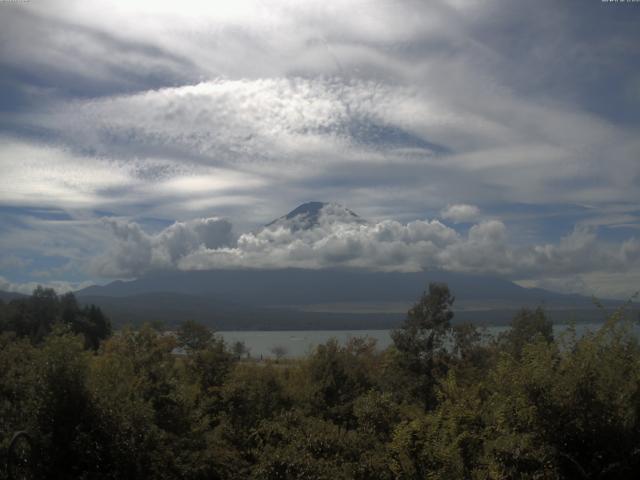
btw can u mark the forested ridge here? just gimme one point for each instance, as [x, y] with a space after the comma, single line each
[442, 402]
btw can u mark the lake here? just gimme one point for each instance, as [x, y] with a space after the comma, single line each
[298, 343]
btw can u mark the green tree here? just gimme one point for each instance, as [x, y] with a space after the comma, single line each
[240, 349]
[194, 336]
[18, 374]
[526, 327]
[420, 340]
[62, 410]
[88, 321]
[297, 446]
[337, 375]
[35, 317]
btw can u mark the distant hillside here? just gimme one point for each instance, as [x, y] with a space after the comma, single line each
[302, 287]
[173, 308]
[318, 299]
[8, 296]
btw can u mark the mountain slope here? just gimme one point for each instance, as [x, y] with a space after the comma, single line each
[311, 214]
[303, 287]
[8, 296]
[173, 308]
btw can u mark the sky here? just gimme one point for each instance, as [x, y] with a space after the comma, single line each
[493, 137]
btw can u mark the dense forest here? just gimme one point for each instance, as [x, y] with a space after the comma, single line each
[442, 402]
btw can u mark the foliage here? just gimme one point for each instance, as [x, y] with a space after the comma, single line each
[36, 316]
[527, 327]
[442, 402]
[420, 340]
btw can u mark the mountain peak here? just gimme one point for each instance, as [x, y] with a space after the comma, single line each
[307, 215]
[308, 208]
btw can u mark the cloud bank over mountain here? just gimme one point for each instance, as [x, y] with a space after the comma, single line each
[339, 238]
[136, 252]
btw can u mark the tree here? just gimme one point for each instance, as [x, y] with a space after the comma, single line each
[194, 336]
[35, 317]
[208, 360]
[39, 314]
[421, 337]
[240, 349]
[526, 327]
[94, 325]
[279, 351]
[62, 404]
[88, 321]
[250, 394]
[337, 376]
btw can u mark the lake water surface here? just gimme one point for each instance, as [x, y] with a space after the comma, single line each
[298, 343]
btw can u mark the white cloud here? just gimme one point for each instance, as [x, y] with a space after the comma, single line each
[41, 175]
[254, 136]
[135, 252]
[460, 213]
[340, 240]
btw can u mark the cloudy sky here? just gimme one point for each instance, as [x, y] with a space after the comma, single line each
[476, 136]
